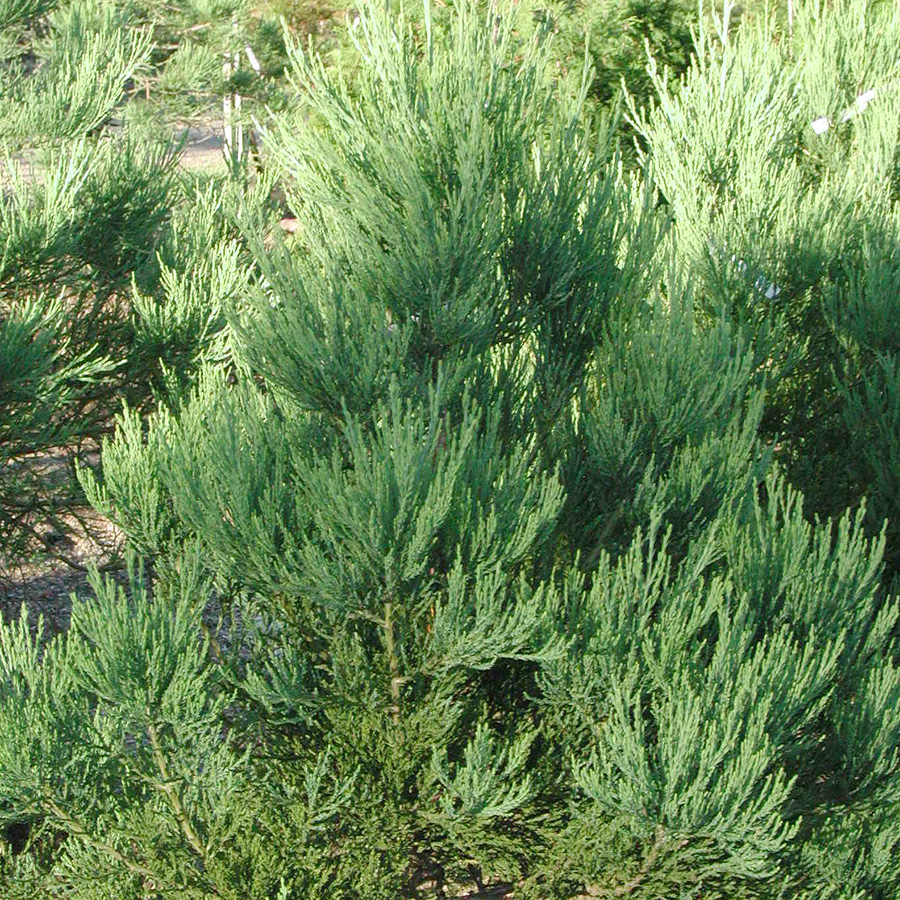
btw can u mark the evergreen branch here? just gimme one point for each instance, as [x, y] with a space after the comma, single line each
[393, 662]
[630, 886]
[76, 828]
[213, 643]
[600, 543]
[167, 786]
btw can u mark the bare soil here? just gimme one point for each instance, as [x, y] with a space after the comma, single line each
[57, 564]
[204, 150]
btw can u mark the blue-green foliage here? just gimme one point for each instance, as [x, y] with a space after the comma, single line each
[496, 479]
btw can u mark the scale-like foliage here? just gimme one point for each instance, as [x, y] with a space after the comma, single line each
[79, 77]
[667, 421]
[79, 216]
[38, 378]
[514, 593]
[779, 162]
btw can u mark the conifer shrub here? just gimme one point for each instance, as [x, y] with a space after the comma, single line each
[203, 50]
[78, 219]
[778, 159]
[489, 479]
[98, 235]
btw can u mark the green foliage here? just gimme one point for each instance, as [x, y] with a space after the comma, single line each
[103, 752]
[38, 379]
[16, 12]
[613, 36]
[501, 478]
[74, 223]
[872, 418]
[200, 53]
[81, 72]
[87, 218]
[667, 423]
[793, 233]
[75, 233]
[694, 699]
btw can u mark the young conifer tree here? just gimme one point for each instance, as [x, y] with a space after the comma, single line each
[113, 270]
[79, 216]
[778, 155]
[514, 596]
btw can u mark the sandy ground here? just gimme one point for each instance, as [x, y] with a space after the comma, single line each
[205, 147]
[45, 581]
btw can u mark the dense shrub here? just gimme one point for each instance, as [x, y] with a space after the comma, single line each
[98, 235]
[505, 479]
